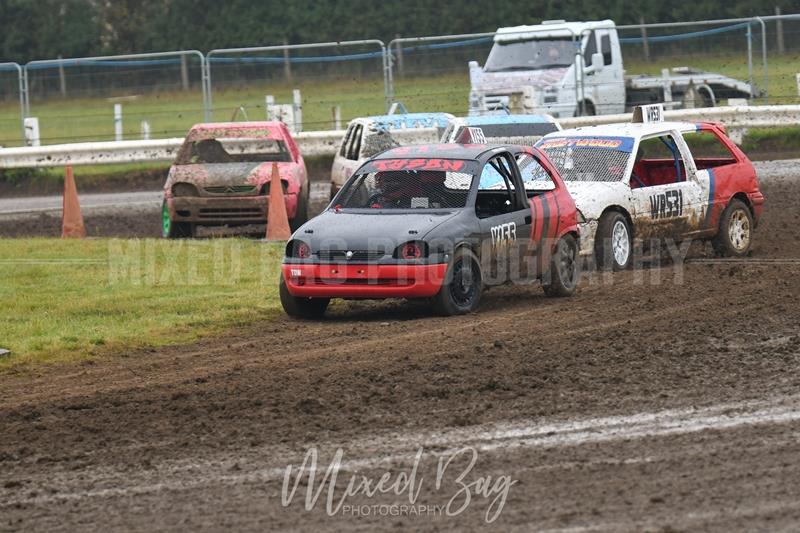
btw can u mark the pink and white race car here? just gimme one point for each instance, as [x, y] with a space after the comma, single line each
[221, 177]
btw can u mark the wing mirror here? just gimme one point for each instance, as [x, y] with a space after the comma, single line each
[597, 63]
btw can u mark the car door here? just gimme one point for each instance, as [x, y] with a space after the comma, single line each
[717, 166]
[665, 190]
[504, 219]
[547, 212]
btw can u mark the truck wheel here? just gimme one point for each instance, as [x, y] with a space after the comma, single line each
[298, 307]
[613, 243]
[586, 109]
[171, 229]
[562, 277]
[735, 234]
[461, 291]
[301, 214]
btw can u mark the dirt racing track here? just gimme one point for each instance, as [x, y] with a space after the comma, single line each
[637, 405]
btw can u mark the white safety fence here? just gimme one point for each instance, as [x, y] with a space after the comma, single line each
[321, 143]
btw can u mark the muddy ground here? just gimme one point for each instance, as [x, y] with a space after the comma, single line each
[662, 400]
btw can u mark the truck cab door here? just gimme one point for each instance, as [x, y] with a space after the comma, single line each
[504, 219]
[609, 82]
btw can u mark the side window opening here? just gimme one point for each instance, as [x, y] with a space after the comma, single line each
[708, 150]
[591, 48]
[605, 49]
[355, 143]
[658, 162]
[343, 151]
[534, 176]
[496, 192]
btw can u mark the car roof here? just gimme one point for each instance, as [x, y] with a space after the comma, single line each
[274, 129]
[441, 151]
[635, 130]
[238, 125]
[482, 120]
[549, 29]
[408, 120]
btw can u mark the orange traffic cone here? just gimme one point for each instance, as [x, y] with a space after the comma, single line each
[71, 218]
[277, 219]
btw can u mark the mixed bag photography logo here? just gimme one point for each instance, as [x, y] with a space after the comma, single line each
[428, 485]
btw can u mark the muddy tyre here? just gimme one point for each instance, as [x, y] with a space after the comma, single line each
[299, 307]
[171, 229]
[463, 284]
[613, 244]
[562, 277]
[735, 235]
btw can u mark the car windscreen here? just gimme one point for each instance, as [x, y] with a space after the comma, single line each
[409, 184]
[234, 150]
[588, 158]
[531, 54]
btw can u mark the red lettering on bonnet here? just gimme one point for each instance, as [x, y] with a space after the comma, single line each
[447, 165]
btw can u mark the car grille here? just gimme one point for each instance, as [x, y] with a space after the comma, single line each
[231, 212]
[496, 101]
[391, 282]
[231, 189]
[358, 255]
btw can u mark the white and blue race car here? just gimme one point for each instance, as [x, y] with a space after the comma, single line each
[654, 181]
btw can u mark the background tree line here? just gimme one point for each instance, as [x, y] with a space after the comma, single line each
[45, 29]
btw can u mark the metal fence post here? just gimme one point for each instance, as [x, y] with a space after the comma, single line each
[764, 58]
[750, 55]
[645, 43]
[21, 89]
[209, 110]
[27, 111]
[388, 78]
[779, 30]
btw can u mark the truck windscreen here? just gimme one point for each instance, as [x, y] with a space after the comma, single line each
[532, 54]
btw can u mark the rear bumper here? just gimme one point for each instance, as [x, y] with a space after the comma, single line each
[225, 210]
[363, 281]
[757, 201]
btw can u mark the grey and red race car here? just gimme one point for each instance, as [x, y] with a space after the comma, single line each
[440, 222]
[221, 177]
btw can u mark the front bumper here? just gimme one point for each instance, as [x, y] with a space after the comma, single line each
[225, 210]
[329, 280]
[587, 231]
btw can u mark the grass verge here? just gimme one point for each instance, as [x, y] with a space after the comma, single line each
[65, 300]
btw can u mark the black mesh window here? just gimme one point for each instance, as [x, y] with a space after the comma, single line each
[407, 189]
[575, 163]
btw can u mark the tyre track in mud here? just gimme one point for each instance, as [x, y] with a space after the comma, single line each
[260, 396]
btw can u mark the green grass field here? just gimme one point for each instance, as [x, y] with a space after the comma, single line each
[171, 114]
[70, 299]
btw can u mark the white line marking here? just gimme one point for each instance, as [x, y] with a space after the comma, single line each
[388, 450]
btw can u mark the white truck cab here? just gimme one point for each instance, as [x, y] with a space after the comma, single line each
[568, 69]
